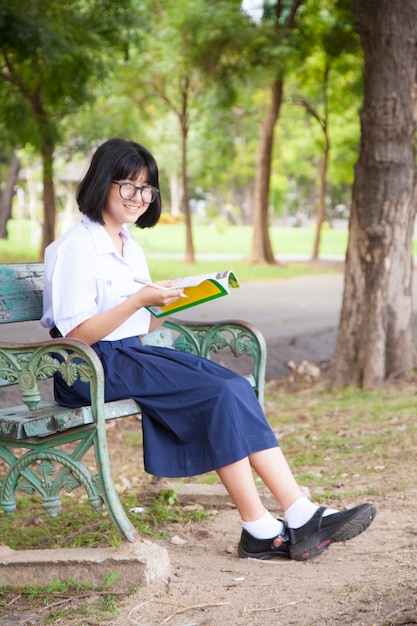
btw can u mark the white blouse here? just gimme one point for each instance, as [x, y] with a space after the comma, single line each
[85, 275]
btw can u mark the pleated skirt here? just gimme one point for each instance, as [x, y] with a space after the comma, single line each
[197, 416]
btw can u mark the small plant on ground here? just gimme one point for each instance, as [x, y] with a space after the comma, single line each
[78, 525]
[64, 602]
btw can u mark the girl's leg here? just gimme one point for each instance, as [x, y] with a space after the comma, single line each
[272, 467]
[238, 481]
[263, 536]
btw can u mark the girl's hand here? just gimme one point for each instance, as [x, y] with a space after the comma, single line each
[168, 284]
[154, 296]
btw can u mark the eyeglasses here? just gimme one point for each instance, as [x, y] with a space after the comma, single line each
[128, 191]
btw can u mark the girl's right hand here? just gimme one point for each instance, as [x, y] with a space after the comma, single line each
[152, 296]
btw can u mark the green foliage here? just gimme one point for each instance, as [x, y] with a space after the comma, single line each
[168, 496]
[98, 69]
[52, 54]
[326, 88]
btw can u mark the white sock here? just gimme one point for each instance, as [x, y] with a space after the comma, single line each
[264, 528]
[301, 511]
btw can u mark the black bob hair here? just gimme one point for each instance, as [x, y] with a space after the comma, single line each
[117, 159]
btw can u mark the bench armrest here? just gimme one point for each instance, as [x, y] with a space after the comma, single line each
[27, 363]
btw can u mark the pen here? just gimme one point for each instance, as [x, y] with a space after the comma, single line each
[149, 283]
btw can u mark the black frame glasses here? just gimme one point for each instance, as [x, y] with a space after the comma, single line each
[127, 191]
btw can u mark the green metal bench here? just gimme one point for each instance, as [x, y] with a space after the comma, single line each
[42, 444]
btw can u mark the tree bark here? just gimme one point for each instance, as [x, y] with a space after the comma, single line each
[375, 339]
[324, 125]
[321, 213]
[189, 244]
[261, 244]
[6, 196]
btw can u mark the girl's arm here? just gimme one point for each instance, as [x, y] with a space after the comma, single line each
[102, 324]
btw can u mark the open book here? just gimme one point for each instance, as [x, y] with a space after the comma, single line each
[198, 289]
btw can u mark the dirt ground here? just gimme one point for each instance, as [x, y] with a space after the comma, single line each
[370, 580]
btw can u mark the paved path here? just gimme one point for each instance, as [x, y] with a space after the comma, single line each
[298, 317]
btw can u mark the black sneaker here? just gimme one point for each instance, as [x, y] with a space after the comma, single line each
[319, 532]
[262, 549]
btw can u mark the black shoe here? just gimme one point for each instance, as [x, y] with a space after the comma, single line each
[319, 532]
[262, 549]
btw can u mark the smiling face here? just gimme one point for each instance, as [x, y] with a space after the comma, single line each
[118, 211]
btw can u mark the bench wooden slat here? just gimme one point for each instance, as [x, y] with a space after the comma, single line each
[50, 418]
[21, 292]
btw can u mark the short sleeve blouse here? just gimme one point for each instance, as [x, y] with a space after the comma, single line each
[85, 275]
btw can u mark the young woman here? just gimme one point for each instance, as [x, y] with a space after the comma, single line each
[197, 415]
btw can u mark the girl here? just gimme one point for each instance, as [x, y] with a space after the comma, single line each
[197, 415]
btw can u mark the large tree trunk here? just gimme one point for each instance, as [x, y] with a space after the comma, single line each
[375, 340]
[6, 196]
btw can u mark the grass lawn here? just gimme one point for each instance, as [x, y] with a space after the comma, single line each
[238, 240]
[233, 243]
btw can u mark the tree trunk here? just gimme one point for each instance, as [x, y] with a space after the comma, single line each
[48, 230]
[189, 245]
[261, 244]
[321, 214]
[6, 195]
[324, 124]
[375, 339]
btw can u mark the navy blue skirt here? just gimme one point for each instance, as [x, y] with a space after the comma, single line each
[197, 415]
